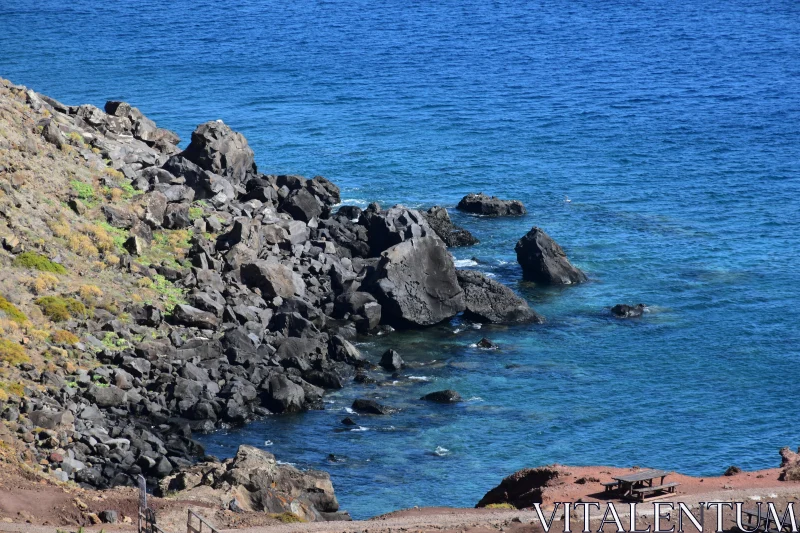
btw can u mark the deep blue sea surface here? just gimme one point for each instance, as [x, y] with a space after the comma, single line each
[674, 128]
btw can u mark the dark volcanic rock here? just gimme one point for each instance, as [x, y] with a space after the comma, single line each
[628, 311]
[544, 262]
[395, 225]
[442, 396]
[217, 148]
[490, 301]
[371, 407]
[416, 285]
[391, 361]
[273, 279]
[482, 204]
[523, 488]
[192, 316]
[486, 344]
[452, 235]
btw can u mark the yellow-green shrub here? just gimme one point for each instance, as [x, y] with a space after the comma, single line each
[12, 353]
[62, 336]
[12, 312]
[58, 308]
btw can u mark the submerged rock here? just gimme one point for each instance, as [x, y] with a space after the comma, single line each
[391, 361]
[486, 344]
[628, 311]
[371, 407]
[443, 396]
[543, 261]
[489, 301]
[482, 204]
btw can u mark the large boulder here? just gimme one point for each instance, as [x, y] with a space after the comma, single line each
[283, 395]
[415, 282]
[273, 279]
[482, 204]
[443, 396]
[523, 488]
[543, 261]
[490, 301]
[393, 226]
[439, 220]
[217, 148]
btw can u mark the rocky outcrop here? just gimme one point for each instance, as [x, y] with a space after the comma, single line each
[544, 262]
[415, 283]
[628, 311]
[790, 465]
[489, 301]
[492, 206]
[439, 220]
[215, 147]
[523, 488]
[393, 226]
[253, 481]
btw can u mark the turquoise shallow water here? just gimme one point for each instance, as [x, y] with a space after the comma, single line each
[674, 129]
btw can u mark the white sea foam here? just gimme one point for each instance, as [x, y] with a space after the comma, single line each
[267, 443]
[458, 330]
[441, 451]
[360, 428]
[491, 275]
[285, 463]
[349, 411]
[477, 325]
[473, 345]
[419, 378]
[475, 399]
[461, 263]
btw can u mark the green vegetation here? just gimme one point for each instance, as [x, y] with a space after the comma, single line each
[12, 353]
[170, 294]
[85, 191]
[76, 138]
[500, 506]
[12, 387]
[195, 213]
[287, 517]
[114, 342]
[12, 312]
[38, 262]
[118, 235]
[58, 308]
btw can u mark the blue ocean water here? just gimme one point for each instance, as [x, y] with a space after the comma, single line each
[674, 128]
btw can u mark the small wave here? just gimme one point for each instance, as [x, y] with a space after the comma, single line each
[267, 443]
[461, 263]
[475, 399]
[441, 451]
[419, 378]
[349, 411]
[458, 330]
[491, 275]
[360, 428]
[353, 201]
[477, 325]
[285, 463]
[473, 345]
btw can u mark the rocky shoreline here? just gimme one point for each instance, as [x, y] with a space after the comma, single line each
[254, 316]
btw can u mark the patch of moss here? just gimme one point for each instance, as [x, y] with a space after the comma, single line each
[287, 517]
[12, 353]
[195, 213]
[500, 506]
[58, 308]
[12, 312]
[38, 262]
[16, 388]
[171, 294]
[114, 342]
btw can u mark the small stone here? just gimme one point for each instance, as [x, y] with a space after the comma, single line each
[109, 516]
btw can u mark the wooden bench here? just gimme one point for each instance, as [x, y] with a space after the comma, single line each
[643, 491]
[610, 486]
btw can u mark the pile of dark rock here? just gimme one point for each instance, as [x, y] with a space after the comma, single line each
[271, 303]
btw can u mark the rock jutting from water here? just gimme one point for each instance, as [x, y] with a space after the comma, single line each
[544, 261]
[492, 206]
[452, 235]
[489, 301]
[628, 311]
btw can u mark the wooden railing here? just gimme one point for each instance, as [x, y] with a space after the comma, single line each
[146, 522]
[200, 523]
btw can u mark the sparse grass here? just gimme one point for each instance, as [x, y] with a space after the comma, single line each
[76, 138]
[59, 308]
[82, 245]
[170, 294]
[60, 227]
[62, 336]
[38, 262]
[11, 311]
[12, 387]
[106, 237]
[195, 213]
[287, 517]
[114, 173]
[12, 353]
[90, 294]
[42, 283]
